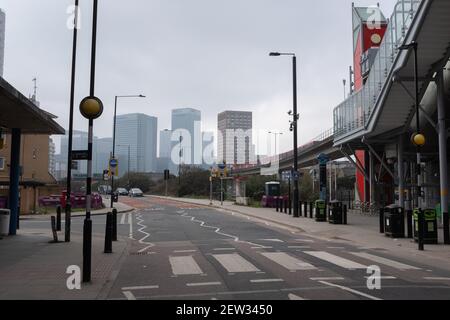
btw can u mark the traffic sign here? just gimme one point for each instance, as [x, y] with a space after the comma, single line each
[113, 163]
[80, 155]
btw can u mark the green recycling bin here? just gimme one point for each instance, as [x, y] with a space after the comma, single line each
[431, 229]
[321, 208]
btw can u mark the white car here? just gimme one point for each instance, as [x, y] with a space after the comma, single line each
[136, 192]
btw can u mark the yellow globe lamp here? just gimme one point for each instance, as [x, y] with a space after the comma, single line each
[91, 108]
[418, 139]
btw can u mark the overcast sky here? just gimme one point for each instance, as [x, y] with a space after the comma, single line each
[211, 55]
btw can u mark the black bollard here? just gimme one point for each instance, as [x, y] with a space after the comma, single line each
[300, 209]
[281, 205]
[55, 234]
[290, 207]
[285, 206]
[421, 229]
[277, 204]
[344, 215]
[58, 218]
[311, 208]
[409, 223]
[108, 233]
[114, 223]
[306, 209]
[381, 220]
[87, 250]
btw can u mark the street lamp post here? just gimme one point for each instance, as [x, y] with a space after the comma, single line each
[276, 134]
[114, 139]
[418, 140]
[70, 142]
[294, 127]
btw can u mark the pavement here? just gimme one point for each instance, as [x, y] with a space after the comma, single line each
[32, 268]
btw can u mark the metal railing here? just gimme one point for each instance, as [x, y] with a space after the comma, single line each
[352, 114]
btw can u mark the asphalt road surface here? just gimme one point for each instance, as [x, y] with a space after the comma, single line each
[189, 252]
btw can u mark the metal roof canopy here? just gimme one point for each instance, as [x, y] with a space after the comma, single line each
[18, 112]
[395, 108]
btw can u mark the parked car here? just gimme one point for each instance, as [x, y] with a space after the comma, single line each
[122, 191]
[136, 192]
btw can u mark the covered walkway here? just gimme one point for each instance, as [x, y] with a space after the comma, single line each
[18, 115]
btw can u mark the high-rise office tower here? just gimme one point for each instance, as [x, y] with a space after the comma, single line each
[2, 41]
[186, 126]
[139, 132]
[234, 142]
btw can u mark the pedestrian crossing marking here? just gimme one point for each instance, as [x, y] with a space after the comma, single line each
[234, 263]
[184, 266]
[385, 261]
[341, 262]
[287, 261]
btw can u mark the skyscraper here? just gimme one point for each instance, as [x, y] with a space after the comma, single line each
[139, 131]
[234, 143]
[164, 150]
[2, 40]
[186, 123]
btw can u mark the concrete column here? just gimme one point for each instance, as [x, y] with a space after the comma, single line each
[14, 176]
[443, 165]
[401, 181]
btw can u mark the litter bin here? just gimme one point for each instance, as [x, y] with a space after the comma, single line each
[430, 232]
[4, 222]
[335, 212]
[321, 214]
[394, 221]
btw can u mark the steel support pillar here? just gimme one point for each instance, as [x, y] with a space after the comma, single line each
[14, 176]
[401, 176]
[443, 165]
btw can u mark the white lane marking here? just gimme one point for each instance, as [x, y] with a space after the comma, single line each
[326, 278]
[224, 249]
[292, 296]
[299, 247]
[335, 248]
[139, 288]
[437, 278]
[382, 277]
[129, 295]
[341, 262]
[261, 248]
[266, 280]
[271, 240]
[287, 261]
[234, 263]
[122, 219]
[203, 284]
[184, 251]
[304, 240]
[217, 230]
[146, 234]
[350, 290]
[184, 266]
[381, 260]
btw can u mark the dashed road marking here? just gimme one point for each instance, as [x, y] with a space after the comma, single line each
[437, 278]
[266, 280]
[341, 262]
[292, 296]
[326, 279]
[129, 295]
[203, 284]
[234, 263]
[184, 251]
[287, 261]
[140, 288]
[184, 266]
[350, 290]
[385, 261]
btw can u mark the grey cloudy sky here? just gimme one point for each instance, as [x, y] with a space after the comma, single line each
[207, 54]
